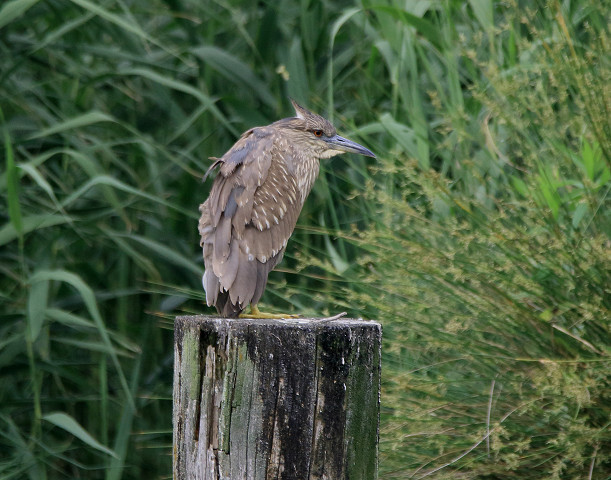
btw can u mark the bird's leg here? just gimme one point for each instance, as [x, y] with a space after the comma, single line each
[256, 313]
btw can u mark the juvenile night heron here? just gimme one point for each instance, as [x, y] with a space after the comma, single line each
[256, 197]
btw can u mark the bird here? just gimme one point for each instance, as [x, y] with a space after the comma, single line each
[258, 192]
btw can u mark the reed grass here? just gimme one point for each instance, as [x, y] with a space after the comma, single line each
[479, 237]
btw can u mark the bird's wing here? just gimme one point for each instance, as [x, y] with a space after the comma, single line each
[251, 213]
[275, 207]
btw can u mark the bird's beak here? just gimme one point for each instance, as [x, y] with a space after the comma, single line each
[344, 145]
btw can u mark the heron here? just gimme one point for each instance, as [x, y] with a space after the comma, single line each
[256, 197]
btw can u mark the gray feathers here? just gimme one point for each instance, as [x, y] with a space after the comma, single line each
[248, 218]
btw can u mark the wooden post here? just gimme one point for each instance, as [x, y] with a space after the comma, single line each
[276, 399]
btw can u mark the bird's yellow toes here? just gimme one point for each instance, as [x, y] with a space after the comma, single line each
[256, 313]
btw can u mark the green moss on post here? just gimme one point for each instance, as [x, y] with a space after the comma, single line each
[281, 399]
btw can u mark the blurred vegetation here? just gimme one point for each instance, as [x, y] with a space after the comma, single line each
[480, 236]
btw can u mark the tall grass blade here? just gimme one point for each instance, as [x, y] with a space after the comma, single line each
[70, 425]
[12, 181]
[13, 9]
[234, 70]
[8, 232]
[89, 118]
[37, 306]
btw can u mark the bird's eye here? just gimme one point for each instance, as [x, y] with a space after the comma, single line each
[318, 133]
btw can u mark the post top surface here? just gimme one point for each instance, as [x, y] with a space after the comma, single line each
[283, 322]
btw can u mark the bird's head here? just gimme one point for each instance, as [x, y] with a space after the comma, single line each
[319, 135]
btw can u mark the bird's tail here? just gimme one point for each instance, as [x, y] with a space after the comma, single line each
[225, 307]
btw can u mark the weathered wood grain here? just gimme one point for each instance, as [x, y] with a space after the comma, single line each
[276, 399]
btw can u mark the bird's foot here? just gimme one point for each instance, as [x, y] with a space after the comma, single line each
[256, 313]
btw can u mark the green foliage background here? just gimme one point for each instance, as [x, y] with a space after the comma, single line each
[479, 237]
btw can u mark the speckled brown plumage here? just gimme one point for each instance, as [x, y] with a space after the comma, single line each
[254, 203]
